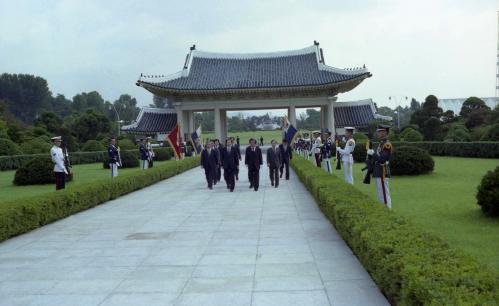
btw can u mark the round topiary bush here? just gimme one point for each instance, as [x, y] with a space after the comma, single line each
[93, 146]
[129, 159]
[37, 145]
[408, 160]
[127, 144]
[488, 193]
[39, 170]
[411, 135]
[8, 147]
[163, 154]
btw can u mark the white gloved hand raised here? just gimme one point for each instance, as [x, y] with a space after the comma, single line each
[370, 152]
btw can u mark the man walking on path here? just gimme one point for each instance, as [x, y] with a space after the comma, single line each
[261, 141]
[209, 162]
[253, 160]
[230, 163]
[274, 163]
[218, 149]
[238, 151]
[286, 156]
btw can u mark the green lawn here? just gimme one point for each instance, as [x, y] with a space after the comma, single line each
[82, 174]
[444, 203]
[245, 136]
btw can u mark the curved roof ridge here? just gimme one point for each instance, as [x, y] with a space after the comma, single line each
[218, 55]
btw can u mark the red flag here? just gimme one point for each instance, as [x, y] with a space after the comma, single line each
[174, 140]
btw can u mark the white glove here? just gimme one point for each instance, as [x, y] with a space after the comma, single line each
[370, 152]
[337, 149]
[66, 171]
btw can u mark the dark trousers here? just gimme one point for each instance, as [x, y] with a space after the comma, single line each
[254, 176]
[237, 173]
[318, 159]
[285, 164]
[274, 175]
[60, 180]
[230, 178]
[210, 176]
[219, 173]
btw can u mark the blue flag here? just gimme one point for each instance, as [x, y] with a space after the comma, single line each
[289, 131]
[196, 140]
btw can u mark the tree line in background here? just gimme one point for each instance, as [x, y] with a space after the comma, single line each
[30, 114]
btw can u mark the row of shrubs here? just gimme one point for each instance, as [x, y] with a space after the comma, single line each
[410, 266]
[77, 158]
[22, 215]
[460, 149]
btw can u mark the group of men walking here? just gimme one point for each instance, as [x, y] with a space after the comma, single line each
[215, 157]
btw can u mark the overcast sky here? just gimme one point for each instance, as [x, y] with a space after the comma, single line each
[412, 48]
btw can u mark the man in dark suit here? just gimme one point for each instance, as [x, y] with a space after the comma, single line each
[230, 162]
[253, 160]
[209, 162]
[274, 163]
[218, 149]
[286, 155]
[238, 151]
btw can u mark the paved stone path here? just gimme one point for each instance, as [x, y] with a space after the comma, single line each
[177, 243]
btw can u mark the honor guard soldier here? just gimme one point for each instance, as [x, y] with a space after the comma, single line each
[346, 154]
[60, 170]
[114, 157]
[381, 160]
[328, 151]
[150, 152]
[144, 154]
[316, 149]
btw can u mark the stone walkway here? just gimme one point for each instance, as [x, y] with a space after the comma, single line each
[177, 243]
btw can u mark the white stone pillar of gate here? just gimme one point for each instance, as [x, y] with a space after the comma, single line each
[323, 122]
[218, 123]
[292, 115]
[190, 119]
[330, 114]
[180, 117]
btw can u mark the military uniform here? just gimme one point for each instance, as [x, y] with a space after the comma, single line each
[347, 157]
[60, 170]
[381, 169]
[113, 153]
[144, 156]
[328, 152]
[316, 150]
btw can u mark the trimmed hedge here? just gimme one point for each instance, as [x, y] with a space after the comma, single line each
[407, 160]
[488, 193]
[37, 171]
[481, 149]
[129, 159]
[411, 266]
[22, 215]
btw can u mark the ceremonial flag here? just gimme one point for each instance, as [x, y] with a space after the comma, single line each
[289, 130]
[174, 140]
[196, 140]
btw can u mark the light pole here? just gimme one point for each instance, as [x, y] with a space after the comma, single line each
[397, 100]
[118, 116]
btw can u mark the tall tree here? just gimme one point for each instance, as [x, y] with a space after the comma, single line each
[26, 95]
[471, 104]
[126, 106]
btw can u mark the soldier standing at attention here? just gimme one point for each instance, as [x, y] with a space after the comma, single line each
[286, 156]
[60, 170]
[316, 149]
[114, 160]
[261, 141]
[346, 154]
[274, 163]
[381, 169]
[144, 154]
[253, 160]
[150, 152]
[230, 162]
[209, 162]
[328, 152]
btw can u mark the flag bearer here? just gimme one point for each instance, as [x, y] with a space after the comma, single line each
[328, 151]
[381, 160]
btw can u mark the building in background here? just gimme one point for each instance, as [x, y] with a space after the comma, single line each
[456, 104]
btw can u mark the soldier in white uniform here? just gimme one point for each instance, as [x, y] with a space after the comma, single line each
[346, 154]
[316, 149]
[381, 165]
[60, 170]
